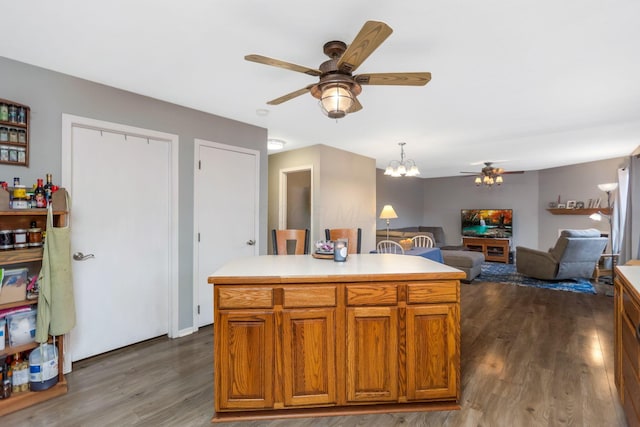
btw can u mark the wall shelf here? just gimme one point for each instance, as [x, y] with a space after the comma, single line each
[562, 211]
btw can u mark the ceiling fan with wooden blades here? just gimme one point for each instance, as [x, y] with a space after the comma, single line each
[490, 175]
[337, 88]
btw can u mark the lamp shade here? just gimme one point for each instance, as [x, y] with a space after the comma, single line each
[610, 186]
[388, 212]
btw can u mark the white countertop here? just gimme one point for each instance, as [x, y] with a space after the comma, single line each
[306, 266]
[632, 274]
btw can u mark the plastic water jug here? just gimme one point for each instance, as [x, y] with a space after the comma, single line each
[43, 367]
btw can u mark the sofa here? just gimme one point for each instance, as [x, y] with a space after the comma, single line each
[397, 234]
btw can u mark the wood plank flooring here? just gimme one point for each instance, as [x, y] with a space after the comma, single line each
[530, 357]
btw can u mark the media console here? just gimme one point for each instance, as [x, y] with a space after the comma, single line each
[494, 249]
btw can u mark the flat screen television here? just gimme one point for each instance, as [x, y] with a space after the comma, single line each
[487, 223]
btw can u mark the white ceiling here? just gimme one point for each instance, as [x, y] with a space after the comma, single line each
[531, 83]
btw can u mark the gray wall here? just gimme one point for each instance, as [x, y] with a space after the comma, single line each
[445, 197]
[405, 194]
[438, 201]
[49, 94]
[343, 189]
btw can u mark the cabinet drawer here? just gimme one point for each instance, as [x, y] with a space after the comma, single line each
[631, 345]
[310, 297]
[630, 308]
[431, 292]
[373, 294]
[245, 297]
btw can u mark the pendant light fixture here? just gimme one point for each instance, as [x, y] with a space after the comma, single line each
[403, 167]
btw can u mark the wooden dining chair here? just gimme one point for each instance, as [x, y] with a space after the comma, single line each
[353, 235]
[422, 241]
[281, 239]
[389, 247]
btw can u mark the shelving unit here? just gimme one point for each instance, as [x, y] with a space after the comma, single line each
[13, 219]
[14, 152]
[556, 211]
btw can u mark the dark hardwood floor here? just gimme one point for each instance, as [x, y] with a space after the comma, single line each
[530, 357]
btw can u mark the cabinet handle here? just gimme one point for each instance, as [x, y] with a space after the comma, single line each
[251, 242]
[79, 256]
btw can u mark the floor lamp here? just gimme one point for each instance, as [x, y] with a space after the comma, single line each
[388, 213]
[608, 188]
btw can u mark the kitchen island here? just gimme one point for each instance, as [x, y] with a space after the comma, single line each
[296, 336]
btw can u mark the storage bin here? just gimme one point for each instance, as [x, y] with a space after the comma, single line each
[14, 286]
[21, 328]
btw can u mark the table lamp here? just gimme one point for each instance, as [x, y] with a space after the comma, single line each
[388, 213]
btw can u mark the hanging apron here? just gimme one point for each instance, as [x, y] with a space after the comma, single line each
[56, 304]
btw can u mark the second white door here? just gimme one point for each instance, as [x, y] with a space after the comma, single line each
[226, 211]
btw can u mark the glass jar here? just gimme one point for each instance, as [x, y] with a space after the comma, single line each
[13, 135]
[4, 112]
[22, 115]
[13, 114]
[4, 134]
[22, 136]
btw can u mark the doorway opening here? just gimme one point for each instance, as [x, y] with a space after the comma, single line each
[296, 195]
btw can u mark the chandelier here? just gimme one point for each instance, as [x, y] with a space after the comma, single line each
[403, 167]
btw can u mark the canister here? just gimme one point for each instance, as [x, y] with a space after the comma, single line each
[4, 134]
[13, 135]
[19, 192]
[20, 238]
[22, 136]
[6, 239]
[4, 112]
[34, 237]
[13, 114]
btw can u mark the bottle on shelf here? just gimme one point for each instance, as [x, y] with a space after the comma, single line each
[40, 195]
[48, 187]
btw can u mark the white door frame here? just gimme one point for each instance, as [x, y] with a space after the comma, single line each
[197, 143]
[282, 203]
[68, 123]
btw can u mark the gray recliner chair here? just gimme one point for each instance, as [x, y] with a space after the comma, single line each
[575, 254]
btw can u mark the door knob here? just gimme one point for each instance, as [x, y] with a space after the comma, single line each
[251, 242]
[79, 256]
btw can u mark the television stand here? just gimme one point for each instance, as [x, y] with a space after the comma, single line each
[494, 249]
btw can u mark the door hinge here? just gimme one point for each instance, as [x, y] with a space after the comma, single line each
[199, 164]
[198, 308]
[198, 237]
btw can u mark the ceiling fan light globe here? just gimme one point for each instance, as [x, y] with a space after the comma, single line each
[413, 171]
[336, 100]
[499, 180]
[478, 181]
[402, 170]
[388, 171]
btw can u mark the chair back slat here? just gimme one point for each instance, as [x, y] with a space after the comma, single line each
[389, 247]
[281, 238]
[422, 241]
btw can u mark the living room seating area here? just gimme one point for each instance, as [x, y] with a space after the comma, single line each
[575, 254]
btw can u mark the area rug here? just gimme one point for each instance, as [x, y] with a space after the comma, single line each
[506, 273]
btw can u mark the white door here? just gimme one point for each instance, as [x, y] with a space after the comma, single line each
[122, 213]
[226, 214]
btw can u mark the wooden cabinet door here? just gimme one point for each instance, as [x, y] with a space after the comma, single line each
[372, 354]
[309, 341]
[433, 351]
[245, 362]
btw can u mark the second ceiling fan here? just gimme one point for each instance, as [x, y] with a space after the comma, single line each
[490, 175]
[337, 88]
